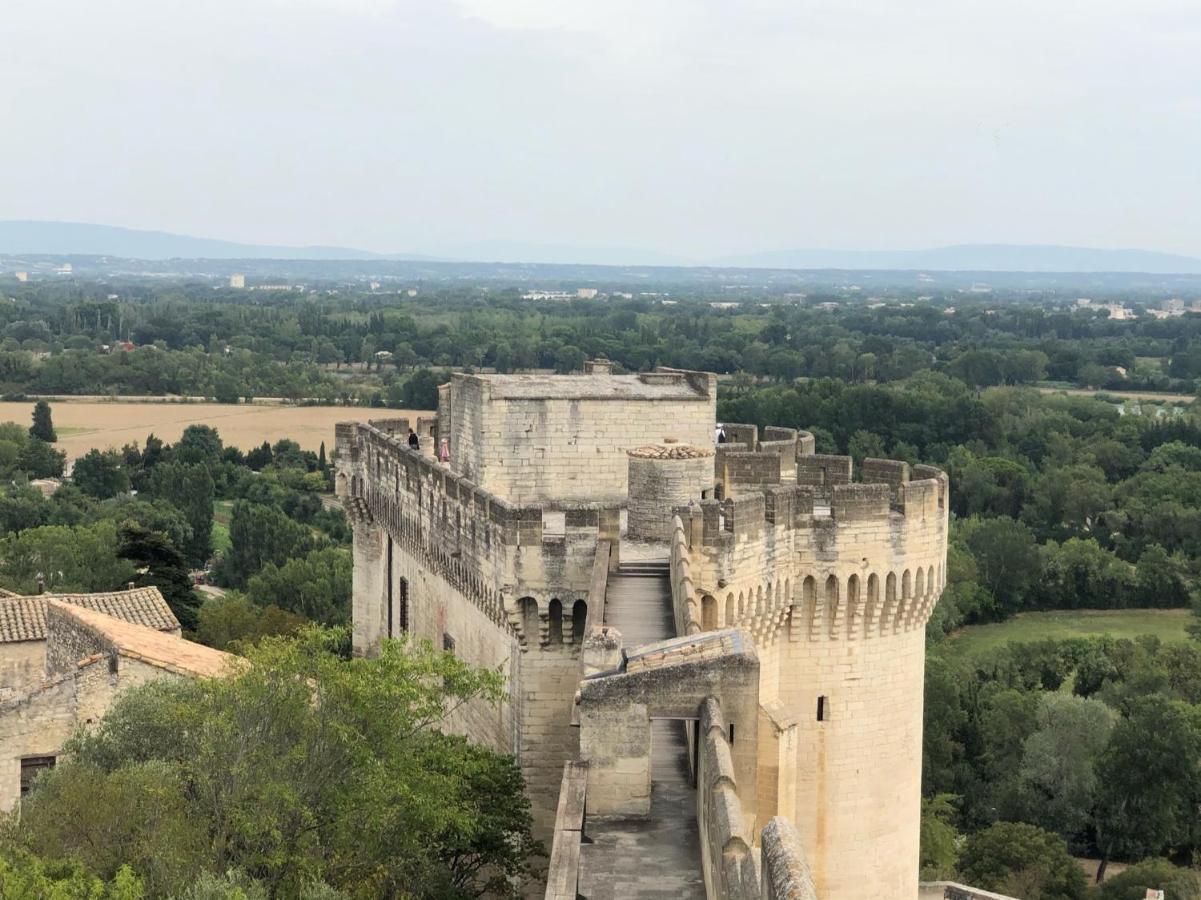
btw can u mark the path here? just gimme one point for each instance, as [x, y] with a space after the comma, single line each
[660, 856]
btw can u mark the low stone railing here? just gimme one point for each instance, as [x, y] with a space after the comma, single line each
[563, 871]
[729, 864]
[684, 601]
[950, 890]
[785, 871]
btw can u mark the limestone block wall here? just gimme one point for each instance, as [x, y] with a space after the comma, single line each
[836, 600]
[726, 841]
[785, 871]
[38, 723]
[22, 664]
[568, 443]
[438, 558]
[662, 478]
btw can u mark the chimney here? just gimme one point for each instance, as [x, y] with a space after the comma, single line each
[598, 367]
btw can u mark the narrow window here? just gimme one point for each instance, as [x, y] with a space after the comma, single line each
[731, 734]
[448, 643]
[823, 709]
[31, 768]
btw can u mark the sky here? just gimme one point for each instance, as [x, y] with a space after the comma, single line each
[681, 129]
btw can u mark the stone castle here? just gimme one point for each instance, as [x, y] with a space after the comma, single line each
[714, 651]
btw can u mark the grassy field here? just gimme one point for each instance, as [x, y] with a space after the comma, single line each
[1168, 624]
[1162, 397]
[221, 513]
[82, 425]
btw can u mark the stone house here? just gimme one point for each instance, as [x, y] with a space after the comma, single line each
[89, 657]
[23, 628]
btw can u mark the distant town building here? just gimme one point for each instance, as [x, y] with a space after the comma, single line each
[22, 276]
[64, 269]
[548, 295]
[237, 280]
[586, 293]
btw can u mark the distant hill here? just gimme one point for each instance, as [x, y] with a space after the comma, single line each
[76, 238]
[977, 258]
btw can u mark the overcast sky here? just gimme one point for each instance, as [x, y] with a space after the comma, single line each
[689, 127]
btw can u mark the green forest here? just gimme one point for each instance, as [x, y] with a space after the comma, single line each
[1050, 761]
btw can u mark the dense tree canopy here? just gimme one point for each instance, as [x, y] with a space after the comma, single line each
[298, 768]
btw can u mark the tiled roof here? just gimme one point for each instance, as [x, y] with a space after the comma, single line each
[24, 618]
[165, 651]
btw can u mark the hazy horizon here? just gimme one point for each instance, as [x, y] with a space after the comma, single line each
[680, 130]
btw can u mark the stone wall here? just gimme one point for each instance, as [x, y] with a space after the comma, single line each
[785, 872]
[69, 640]
[662, 478]
[726, 830]
[836, 599]
[438, 558]
[568, 443]
[22, 665]
[40, 722]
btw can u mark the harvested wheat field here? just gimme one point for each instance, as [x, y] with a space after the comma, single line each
[84, 424]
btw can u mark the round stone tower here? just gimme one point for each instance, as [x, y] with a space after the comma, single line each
[663, 477]
[834, 581]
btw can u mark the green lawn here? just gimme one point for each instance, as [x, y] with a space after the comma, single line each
[221, 513]
[1168, 624]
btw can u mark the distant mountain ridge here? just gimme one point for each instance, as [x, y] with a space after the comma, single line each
[80, 239]
[977, 258]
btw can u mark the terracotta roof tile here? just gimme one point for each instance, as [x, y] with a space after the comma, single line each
[165, 651]
[24, 618]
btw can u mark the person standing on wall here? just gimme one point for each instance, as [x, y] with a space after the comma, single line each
[444, 451]
[719, 434]
[414, 441]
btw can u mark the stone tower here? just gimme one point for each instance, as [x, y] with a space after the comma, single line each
[835, 581]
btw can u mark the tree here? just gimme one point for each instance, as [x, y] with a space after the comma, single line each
[421, 390]
[199, 444]
[232, 620]
[303, 767]
[1149, 780]
[1057, 778]
[190, 489]
[64, 559]
[939, 840]
[260, 535]
[101, 474]
[135, 816]
[41, 460]
[24, 876]
[159, 564]
[1021, 860]
[316, 586]
[1008, 562]
[1152, 874]
[43, 424]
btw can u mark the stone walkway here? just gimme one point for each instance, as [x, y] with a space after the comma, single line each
[658, 857]
[638, 603]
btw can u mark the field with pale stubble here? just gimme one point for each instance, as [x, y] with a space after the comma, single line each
[84, 424]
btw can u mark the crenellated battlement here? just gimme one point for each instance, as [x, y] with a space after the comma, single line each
[826, 559]
[527, 567]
